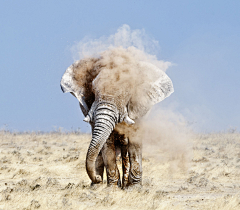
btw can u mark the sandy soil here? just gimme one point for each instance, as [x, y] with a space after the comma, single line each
[47, 171]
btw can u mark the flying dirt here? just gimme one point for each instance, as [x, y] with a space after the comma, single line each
[115, 91]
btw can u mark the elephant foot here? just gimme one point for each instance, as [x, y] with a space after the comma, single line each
[125, 162]
[135, 175]
[135, 157]
[134, 180]
[118, 184]
[113, 178]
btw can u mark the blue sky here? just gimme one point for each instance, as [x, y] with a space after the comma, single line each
[201, 38]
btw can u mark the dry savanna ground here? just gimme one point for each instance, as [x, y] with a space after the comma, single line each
[47, 171]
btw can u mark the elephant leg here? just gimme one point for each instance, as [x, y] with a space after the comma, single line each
[135, 157]
[109, 159]
[122, 142]
[125, 161]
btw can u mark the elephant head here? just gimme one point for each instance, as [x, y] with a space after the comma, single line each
[114, 88]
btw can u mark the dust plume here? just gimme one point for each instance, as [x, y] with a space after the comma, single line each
[167, 136]
[118, 58]
[125, 37]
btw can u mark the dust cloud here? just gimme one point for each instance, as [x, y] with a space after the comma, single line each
[125, 37]
[167, 136]
[118, 58]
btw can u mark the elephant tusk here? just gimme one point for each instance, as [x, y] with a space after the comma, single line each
[87, 119]
[128, 120]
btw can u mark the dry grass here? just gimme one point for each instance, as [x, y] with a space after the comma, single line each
[47, 171]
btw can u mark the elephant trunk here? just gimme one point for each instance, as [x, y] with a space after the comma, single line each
[105, 117]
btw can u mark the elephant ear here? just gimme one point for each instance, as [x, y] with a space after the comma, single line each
[158, 89]
[69, 84]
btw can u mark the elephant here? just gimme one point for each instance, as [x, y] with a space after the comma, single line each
[115, 91]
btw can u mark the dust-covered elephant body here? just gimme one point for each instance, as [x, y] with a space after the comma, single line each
[115, 89]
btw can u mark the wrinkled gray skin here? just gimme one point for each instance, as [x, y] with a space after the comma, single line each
[104, 113]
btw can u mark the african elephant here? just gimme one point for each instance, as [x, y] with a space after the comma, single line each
[115, 91]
